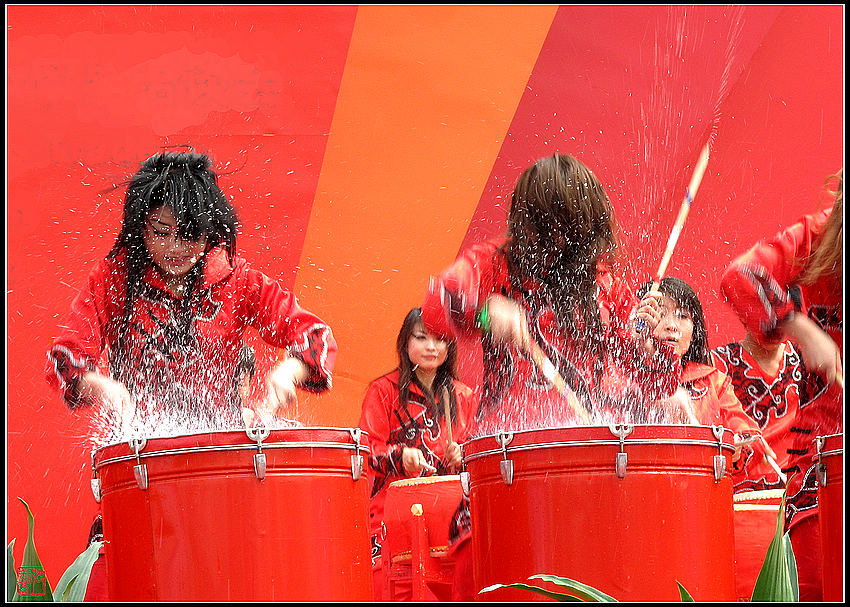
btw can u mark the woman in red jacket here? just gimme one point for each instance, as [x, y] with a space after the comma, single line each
[549, 283]
[404, 416]
[168, 308]
[789, 287]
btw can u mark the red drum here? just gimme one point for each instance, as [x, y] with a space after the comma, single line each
[439, 498]
[756, 515]
[629, 510]
[830, 472]
[237, 516]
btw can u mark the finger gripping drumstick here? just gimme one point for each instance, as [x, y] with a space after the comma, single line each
[690, 194]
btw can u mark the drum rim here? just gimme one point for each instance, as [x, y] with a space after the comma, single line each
[98, 464]
[425, 480]
[760, 494]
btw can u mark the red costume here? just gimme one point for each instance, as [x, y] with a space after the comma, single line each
[515, 394]
[181, 353]
[762, 286]
[707, 395]
[392, 426]
[773, 402]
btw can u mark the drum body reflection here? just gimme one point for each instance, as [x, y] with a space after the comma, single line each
[629, 510]
[237, 516]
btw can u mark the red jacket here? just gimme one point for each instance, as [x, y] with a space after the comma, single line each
[391, 427]
[184, 350]
[712, 400]
[761, 286]
[515, 395]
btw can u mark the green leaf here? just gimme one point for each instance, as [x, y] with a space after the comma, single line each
[583, 591]
[11, 578]
[548, 593]
[71, 587]
[684, 594]
[774, 582]
[32, 562]
[792, 567]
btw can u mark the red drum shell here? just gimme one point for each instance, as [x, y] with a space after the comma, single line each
[208, 529]
[831, 514]
[439, 496]
[756, 515]
[568, 513]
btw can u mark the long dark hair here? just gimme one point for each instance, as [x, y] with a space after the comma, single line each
[186, 184]
[407, 374]
[560, 226]
[686, 299]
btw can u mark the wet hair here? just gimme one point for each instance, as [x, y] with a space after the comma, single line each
[560, 226]
[686, 299]
[828, 250]
[246, 364]
[407, 374]
[185, 183]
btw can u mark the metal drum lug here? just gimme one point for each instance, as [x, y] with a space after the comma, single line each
[464, 482]
[506, 467]
[260, 465]
[140, 471]
[622, 462]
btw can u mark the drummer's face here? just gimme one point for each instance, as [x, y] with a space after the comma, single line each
[172, 254]
[426, 349]
[676, 326]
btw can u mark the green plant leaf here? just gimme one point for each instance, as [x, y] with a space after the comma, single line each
[548, 593]
[583, 591]
[32, 562]
[774, 582]
[11, 577]
[71, 587]
[792, 567]
[686, 596]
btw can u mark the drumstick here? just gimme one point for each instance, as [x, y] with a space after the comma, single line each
[773, 463]
[690, 194]
[447, 408]
[545, 366]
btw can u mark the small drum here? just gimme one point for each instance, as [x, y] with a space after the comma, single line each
[830, 473]
[439, 498]
[256, 515]
[756, 516]
[629, 510]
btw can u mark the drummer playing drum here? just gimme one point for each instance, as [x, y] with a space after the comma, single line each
[404, 414]
[168, 307]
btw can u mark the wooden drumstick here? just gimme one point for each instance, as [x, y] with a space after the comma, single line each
[690, 194]
[545, 366]
[447, 409]
[773, 463]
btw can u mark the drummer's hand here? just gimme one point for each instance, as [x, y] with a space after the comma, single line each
[453, 456]
[740, 441]
[646, 316]
[281, 382]
[414, 461]
[507, 321]
[93, 388]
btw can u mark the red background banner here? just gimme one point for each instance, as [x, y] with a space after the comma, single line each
[364, 146]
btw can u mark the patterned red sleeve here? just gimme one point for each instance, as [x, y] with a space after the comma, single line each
[79, 347]
[385, 456]
[280, 321]
[454, 297]
[759, 285]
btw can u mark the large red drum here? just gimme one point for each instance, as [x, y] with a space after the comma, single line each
[756, 517]
[629, 510]
[830, 473]
[252, 515]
